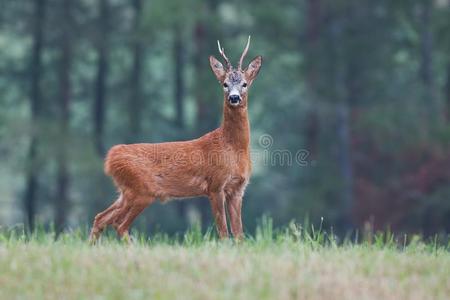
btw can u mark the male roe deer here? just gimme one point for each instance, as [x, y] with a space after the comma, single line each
[216, 165]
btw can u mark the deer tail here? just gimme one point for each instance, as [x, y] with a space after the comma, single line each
[110, 162]
[107, 167]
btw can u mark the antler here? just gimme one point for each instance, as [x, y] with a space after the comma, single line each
[222, 52]
[244, 54]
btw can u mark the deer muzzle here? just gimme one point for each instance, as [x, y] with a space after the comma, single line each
[234, 99]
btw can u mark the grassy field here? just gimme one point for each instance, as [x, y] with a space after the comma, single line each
[290, 264]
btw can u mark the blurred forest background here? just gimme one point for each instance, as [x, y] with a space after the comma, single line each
[363, 86]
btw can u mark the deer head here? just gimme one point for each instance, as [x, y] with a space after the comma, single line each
[235, 82]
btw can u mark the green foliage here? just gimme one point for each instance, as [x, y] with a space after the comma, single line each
[369, 58]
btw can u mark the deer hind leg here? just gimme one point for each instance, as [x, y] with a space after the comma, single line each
[123, 228]
[128, 213]
[104, 219]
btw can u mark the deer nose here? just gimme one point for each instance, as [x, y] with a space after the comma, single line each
[234, 99]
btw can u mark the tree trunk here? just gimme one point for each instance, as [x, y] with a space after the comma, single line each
[345, 161]
[62, 199]
[136, 104]
[447, 92]
[313, 30]
[100, 85]
[313, 37]
[426, 62]
[199, 65]
[206, 28]
[342, 82]
[35, 103]
[178, 77]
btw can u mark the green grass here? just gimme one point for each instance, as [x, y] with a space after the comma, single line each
[291, 263]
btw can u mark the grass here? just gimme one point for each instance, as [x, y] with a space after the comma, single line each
[291, 263]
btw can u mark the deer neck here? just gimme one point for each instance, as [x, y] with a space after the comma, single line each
[236, 126]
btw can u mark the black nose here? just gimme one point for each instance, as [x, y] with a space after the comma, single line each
[234, 99]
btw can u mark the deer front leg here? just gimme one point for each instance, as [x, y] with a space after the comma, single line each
[217, 201]
[234, 205]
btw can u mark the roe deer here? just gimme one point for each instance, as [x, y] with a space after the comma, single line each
[216, 165]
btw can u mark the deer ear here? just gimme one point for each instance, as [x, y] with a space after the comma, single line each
[253, 68]
[217, 68]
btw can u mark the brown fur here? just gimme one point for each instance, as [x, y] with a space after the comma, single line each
[216, 165]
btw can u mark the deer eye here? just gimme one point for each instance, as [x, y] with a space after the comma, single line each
[245, 84]
[225, 85]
